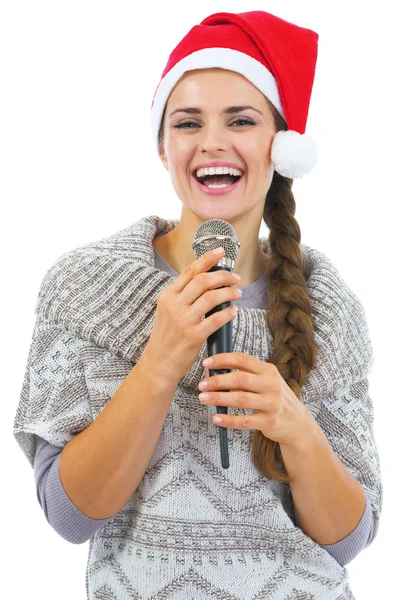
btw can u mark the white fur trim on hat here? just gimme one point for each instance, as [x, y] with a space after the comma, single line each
[208, 58]
[293, 154]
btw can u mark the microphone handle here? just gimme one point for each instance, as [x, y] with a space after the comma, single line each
[219, 342]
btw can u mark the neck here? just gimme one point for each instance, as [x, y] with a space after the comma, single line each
[175, 248]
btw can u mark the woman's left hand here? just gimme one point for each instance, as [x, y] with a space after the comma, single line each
[258, 386]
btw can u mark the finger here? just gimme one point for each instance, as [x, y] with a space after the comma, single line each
[238, 360]
[237, 380]
[201, 265]
[236, 422]
[239, 400]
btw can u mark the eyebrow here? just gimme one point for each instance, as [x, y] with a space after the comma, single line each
[229, 110]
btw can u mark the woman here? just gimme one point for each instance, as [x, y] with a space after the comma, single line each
[125, 455]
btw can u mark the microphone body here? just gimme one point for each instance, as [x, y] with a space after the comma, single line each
[219, 342]
[210, 235]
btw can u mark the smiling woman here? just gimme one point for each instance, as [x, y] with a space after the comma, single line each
[263, 137]
[224, 135]
[124, 451]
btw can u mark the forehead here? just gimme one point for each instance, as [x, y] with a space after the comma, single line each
[213, 86]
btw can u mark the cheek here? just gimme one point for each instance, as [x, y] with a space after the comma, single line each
[178, 144]
[180, 154]
[255, 148]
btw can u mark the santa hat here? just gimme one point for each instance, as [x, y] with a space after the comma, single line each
[277, 57]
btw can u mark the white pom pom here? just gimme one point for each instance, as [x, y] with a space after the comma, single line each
[293, 154]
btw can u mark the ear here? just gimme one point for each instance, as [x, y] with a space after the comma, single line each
[163, 157]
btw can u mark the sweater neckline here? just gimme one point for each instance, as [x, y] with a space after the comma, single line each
[259, 286]
[106, 292]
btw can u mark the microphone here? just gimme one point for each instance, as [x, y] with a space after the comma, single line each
[210, 235]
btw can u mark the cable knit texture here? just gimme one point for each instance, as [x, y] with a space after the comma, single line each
[193, 529]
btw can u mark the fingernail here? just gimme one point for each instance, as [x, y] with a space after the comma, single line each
[218, 250]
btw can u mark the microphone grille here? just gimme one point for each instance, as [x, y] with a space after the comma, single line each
[215, 233]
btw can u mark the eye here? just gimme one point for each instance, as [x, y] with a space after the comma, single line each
[183, 125]
[246, 121]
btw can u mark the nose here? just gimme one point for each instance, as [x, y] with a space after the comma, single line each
[213, 137]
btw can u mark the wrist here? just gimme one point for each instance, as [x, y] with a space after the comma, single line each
[309, 434]
[156, 370]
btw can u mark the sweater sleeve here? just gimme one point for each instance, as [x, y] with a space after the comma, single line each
[338, 391]
[54, 406]
[54, 400]
[63, 516]
[346, 417]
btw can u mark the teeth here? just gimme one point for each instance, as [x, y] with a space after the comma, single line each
[219, 171]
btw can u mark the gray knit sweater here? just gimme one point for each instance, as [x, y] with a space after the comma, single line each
[188, 525]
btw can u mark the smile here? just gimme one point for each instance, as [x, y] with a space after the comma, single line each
[226, 189]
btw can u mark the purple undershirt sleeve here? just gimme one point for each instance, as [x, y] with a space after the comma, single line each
[63, 516]
[347, 549]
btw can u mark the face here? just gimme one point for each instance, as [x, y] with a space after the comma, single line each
[243, 138]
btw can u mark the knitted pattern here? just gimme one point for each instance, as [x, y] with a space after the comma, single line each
[193, 529]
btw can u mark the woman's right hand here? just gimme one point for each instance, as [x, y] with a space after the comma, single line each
[179, 331]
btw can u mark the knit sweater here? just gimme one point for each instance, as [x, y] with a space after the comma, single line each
[196, 529]
[77, 528]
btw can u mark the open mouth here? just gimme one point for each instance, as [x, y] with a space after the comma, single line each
[217, 181]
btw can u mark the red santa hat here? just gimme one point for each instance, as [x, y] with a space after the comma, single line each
[277, 57]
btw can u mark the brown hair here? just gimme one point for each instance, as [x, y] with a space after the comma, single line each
[289, 314]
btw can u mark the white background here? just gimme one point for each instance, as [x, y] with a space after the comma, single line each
[78, 163]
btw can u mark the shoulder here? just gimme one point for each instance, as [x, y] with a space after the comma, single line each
[93, 291]
[75, 272]
[339, 319]
[324, 279]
